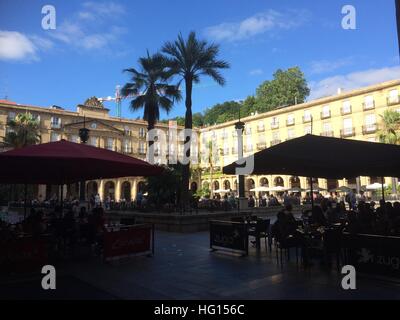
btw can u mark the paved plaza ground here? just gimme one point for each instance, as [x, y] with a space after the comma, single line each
[184, 268]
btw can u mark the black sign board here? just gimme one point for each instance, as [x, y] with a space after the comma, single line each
[227, 235]
[373, 254]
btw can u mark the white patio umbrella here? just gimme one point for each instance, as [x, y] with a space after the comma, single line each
[341, 189]
[375, 186]
[278, 189]
[222, 191]
[296, 189]
[315, 189]
[260, 189]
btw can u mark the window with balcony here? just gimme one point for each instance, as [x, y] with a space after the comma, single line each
[142, 132]
[110, 144]
[326, 112]
[127, 146]
[369, 124]
[142, 148]
[327, 130]
[234, 149]
[74, 138]
[11, 116]
[275, 138]
[55, 122]
[307, 117]
[274, 122]
[248, 130]
[291, 134]
[348, 129]
[127, 131]
[307, 129]
[260, 126]
[393, 97]
[54, 136]
[368, 103]
[290, 120]
[94, 141]
[346, 107]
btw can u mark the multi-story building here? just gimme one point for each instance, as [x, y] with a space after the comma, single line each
[352, 115]
[117, 134]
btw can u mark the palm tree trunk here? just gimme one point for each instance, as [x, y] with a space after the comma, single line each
[398, 22]
[188, 125]
[150, 151]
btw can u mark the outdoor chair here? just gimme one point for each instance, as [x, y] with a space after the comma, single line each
[283, 245]
[262, 230]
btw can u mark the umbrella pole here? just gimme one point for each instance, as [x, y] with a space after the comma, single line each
[383, 188]
[25, 198]
[61, 196]
[312, 194]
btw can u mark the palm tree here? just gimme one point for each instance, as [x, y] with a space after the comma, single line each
[149, 89]
[398, 22]
[23, 131]
[190, 59]
[390, 128]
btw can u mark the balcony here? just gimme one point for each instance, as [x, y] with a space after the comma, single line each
[290, 122]
[325, 114]
[307, 119]
[328, 133]
[368, 106]
[248, 149]
[274, 142]
[344, 111]
[56, 125]
[370, 128]
[274, 125]
[347, 132]
[392, 100]
[141, 151]
[128, 150]
[261, 145]
[260, 129]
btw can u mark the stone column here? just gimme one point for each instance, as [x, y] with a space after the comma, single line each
[100, 189]
[117, 190]
[133, 189]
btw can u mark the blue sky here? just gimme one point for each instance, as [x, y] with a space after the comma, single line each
[94, 41]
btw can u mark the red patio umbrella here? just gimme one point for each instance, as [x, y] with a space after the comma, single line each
[64, 162]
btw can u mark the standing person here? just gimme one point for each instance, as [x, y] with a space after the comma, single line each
[97, 200]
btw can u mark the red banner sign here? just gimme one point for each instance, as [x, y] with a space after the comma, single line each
[129, 241]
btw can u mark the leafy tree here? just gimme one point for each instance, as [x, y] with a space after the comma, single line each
[389, 131]
[190, 59]
[222, 112]
[150, 90]
[23, 131]
[287, 87]
[198, 119]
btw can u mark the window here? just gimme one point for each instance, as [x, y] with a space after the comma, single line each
[142, 132]
[93, 141]
[249, 144]
[307, 116]
[93, 125]
[290, 119]
[346, 107]
[11, 115]
[260, 126]
[248, 130]
[369, 102]
[347, 127]
[274, 122]
[54, 136]
[142, 147]
[226, 150]
[372, 139]
[291, 133]
[224, 134]
[110, 144]
[75, 138]
[55, 122]
[370, 123]
[307, 130]
[393, 96]
[326, 112]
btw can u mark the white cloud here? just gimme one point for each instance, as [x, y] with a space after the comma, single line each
[257, 24]
[81, 30]
[324, 66]
[329, 86]
[256, 72]
[16, 46]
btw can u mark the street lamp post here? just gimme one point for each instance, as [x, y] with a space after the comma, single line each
[239, 126]
[84, 137]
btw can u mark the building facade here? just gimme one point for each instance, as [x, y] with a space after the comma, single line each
[353, 114]
[117, 134]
